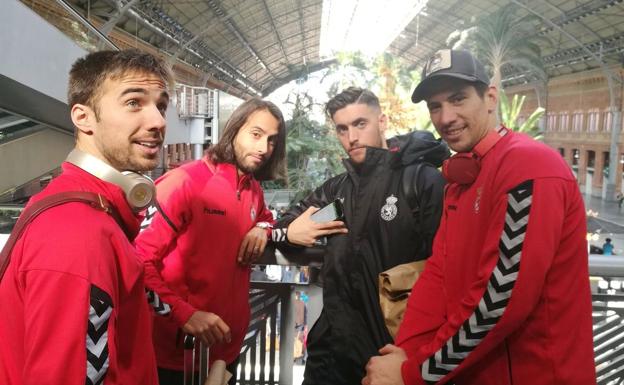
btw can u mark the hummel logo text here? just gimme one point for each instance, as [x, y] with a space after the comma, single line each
[214, 211]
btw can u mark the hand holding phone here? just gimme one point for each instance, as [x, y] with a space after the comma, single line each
[313, 224]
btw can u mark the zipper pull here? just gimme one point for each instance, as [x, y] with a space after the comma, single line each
[238, 186]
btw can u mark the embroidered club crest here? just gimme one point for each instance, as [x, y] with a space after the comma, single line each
[253, 214]
[389, 210]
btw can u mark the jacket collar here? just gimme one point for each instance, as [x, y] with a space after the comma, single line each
[229, 172]
[113, 193]
[375, 159]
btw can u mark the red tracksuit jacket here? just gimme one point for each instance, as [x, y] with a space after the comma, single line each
[505, 296]
[73, 302]
[193, 267]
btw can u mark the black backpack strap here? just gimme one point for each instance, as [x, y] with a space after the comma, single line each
[165, 217]
[96, 201]
[151, 212]
[409, 184]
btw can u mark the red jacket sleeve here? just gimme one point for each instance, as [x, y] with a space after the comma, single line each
[69, 322]
[526, 226]
[158, 238]
[54, 335]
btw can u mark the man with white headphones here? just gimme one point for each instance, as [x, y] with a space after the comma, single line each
[73, 302]
[504, 298]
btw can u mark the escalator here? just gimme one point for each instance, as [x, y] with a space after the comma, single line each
[29, 155]
[13, 127]
[36, 134]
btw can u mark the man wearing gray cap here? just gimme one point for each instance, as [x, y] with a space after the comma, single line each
[504, 298]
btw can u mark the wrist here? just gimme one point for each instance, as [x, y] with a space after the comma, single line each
[267, 227]
[182, 313]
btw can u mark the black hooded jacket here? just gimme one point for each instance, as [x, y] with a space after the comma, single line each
[385, 230]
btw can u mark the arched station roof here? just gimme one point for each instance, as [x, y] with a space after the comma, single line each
[255, 46]
[581, 32]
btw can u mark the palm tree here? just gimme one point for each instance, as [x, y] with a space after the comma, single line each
[313, 152]
[504, 40]
[510, 113]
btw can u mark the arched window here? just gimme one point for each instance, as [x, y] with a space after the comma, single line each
[607, 120]
[577, 121]
[591, 159]
[563, 121]
[551, 122]
[592, 120]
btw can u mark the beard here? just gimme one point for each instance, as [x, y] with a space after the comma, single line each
[143, 165]
[124, 161]
[248, 167]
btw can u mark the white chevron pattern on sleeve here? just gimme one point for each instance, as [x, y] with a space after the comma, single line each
[160, 307]
[100, 310]
[149, 215]
[494, 301]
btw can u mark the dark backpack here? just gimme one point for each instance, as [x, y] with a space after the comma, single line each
[409, 184]
[422, 149]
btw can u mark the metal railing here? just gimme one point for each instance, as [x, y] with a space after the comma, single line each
[268, 339]
[267, 355]
[607, 273]
[271, 305]
[609, 338]
[195, 102]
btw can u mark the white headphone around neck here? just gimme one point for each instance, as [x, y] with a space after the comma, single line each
[139, 189]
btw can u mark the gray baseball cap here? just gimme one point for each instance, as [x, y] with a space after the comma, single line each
[450, 63]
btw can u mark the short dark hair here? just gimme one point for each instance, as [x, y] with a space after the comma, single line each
[89, 73]
[351, 95]
[480, 88]
[223, 151]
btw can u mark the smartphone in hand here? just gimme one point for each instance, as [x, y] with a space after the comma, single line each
[332, 212]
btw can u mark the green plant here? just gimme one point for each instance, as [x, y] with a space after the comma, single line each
[392, 80]
[511, 111]
[503, 39]
[313, 151]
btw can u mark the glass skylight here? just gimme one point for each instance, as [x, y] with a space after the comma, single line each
[368, 26]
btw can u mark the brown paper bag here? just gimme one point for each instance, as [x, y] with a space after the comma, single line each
[395, 286]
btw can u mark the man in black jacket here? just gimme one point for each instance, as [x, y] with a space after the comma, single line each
[392, 198]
